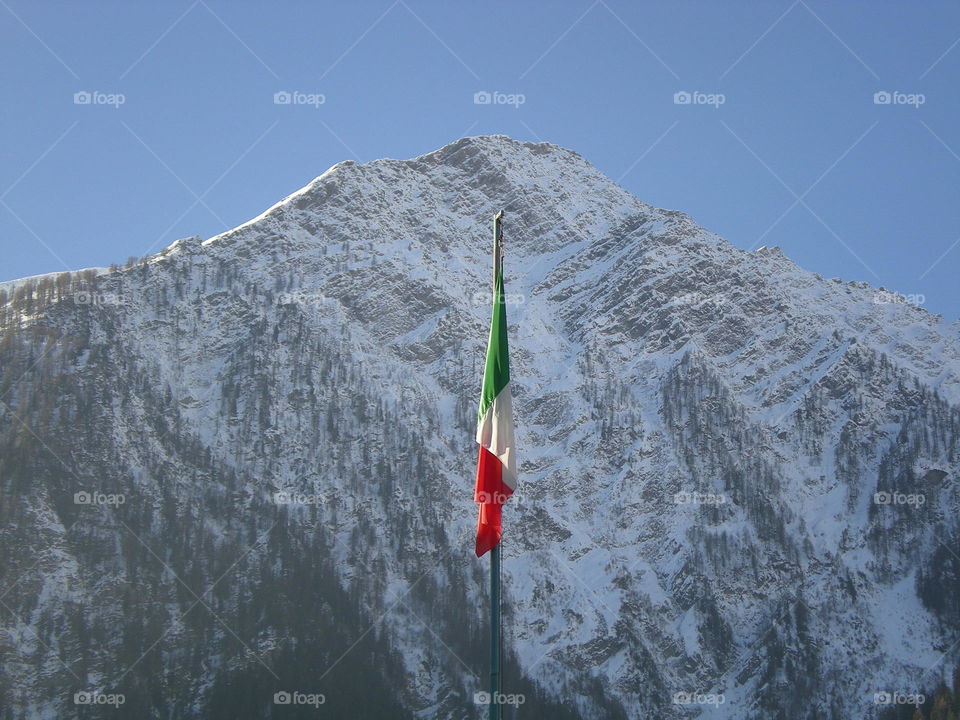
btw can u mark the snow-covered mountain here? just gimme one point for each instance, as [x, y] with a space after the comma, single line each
[243, 466]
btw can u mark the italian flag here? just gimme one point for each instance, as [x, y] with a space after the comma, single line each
[497, 464]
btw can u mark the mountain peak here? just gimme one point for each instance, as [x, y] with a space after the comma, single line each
[703, 432]
[499, 145]
[537, 184]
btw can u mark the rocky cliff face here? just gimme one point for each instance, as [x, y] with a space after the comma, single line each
[242, 467]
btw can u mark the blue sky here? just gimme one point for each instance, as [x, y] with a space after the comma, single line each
[784, 144]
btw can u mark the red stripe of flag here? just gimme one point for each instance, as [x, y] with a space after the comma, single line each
[491, 493]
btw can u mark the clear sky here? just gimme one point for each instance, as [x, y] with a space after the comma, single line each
[784, 144]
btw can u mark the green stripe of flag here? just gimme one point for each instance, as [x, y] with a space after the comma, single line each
[496, 373]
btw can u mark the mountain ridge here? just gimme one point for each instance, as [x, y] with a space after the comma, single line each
[330, 347]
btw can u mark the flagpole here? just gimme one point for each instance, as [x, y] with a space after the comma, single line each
[495, 633]
[495, 552]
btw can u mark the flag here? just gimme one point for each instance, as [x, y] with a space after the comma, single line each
[497, 464]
